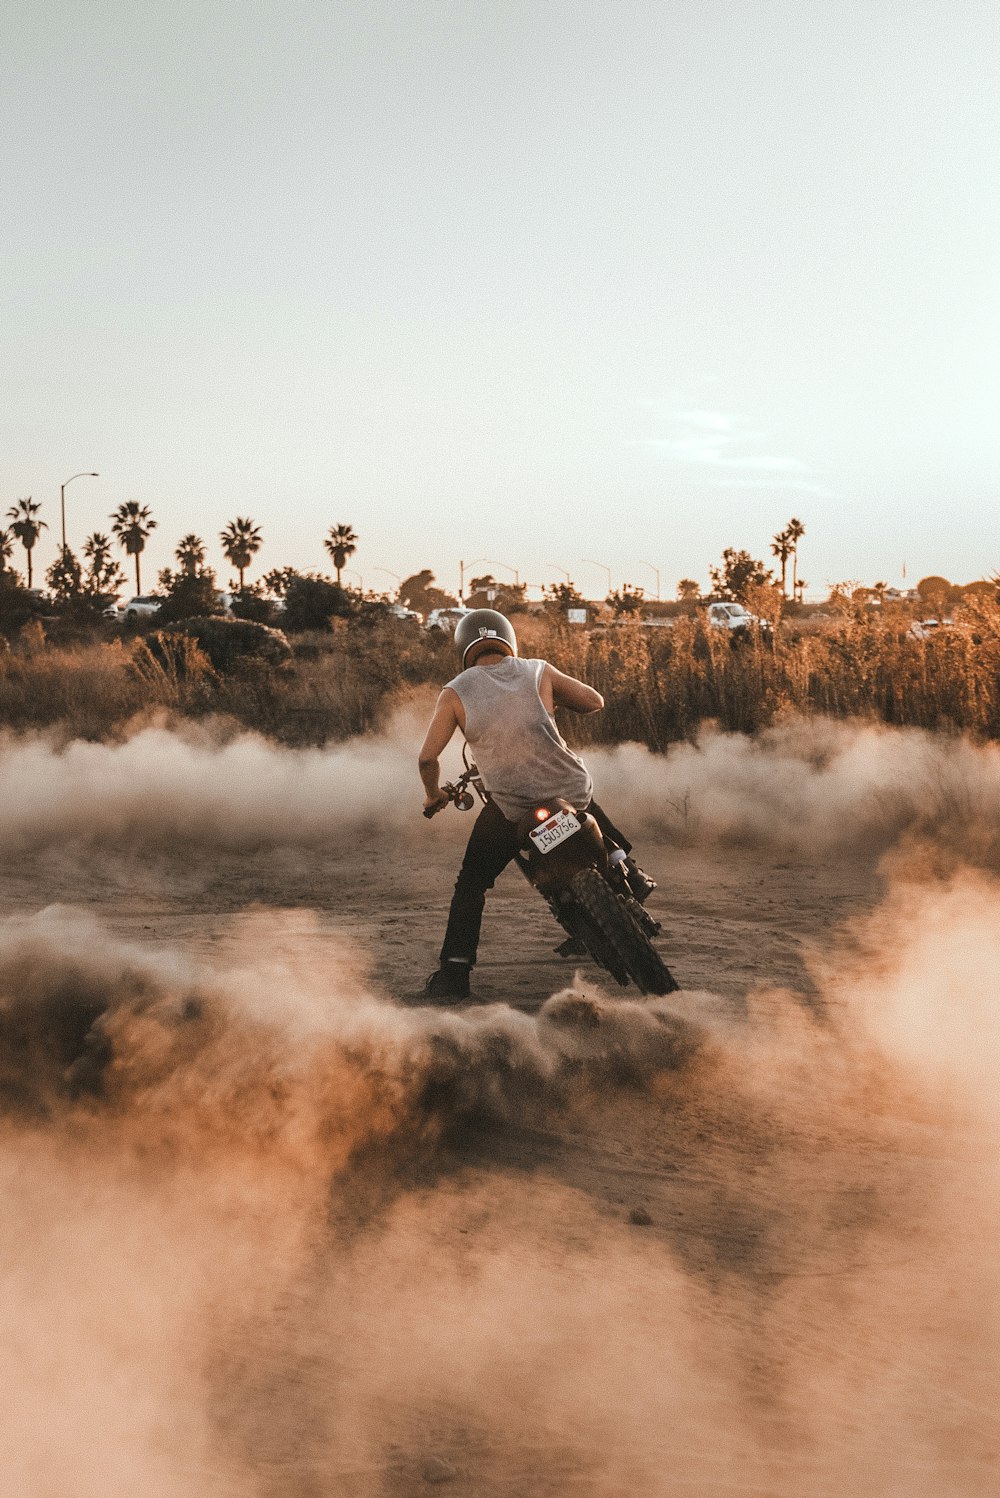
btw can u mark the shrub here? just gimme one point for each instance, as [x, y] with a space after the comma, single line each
[739, 571]
[174, 671]
[231, 643]
[251, 604]
[17, 605]
[85, 692]
[311, 602]
[188, 595]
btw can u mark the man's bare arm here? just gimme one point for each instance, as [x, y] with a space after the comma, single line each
[572, 694]
[439, 734]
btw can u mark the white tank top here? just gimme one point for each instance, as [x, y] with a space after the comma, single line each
[521, 755]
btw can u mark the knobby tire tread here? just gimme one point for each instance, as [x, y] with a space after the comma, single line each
[617, 931]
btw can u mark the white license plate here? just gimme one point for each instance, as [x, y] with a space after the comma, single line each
[555, 831]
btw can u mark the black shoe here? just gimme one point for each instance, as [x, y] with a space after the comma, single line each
[571, 947]
[639, 883]
[450, 982]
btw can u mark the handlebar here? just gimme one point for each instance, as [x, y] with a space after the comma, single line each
[458, 793]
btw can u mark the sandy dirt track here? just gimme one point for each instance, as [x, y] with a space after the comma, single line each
[732, 919]
[706, 1250]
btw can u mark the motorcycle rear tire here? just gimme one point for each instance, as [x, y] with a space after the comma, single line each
[617, 930]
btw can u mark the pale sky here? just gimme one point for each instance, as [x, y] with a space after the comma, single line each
[531, 282]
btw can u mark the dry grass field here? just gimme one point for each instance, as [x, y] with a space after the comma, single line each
[275, 1230]
[661, 684]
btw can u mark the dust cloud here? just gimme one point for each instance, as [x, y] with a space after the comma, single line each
[804, 787]
[270, 1234]
[200, 785]
[814, 786]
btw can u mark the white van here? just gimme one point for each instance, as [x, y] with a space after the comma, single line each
[445, 619]
[730, 616]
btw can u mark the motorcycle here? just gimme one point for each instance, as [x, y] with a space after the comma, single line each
[565, 856]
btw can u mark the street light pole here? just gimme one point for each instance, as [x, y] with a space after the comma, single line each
[508, 568]
[562, 570]
[656, 572]
[388, 573]
[461, 575]
[62, 499]
[589, 562]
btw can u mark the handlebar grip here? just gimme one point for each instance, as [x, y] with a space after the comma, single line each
[448, 790]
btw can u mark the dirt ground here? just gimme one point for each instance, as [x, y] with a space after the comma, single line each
[677, 1271]
[732, 920]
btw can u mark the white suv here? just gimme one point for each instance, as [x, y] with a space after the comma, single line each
[140, 608]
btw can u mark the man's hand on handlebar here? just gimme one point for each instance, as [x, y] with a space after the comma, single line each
[437, 797]
[435, 803]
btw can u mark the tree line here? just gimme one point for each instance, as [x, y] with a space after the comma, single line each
[132, 524]
[97, 579]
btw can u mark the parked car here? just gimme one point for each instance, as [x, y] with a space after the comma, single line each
[731, 616]
[400, 611]
[140, 607]
[923, 629]
[445, 619]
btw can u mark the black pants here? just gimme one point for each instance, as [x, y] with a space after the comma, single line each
[492, 844]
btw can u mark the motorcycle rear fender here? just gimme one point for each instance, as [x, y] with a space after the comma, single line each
[552, 872]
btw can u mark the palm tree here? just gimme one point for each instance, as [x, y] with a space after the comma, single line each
[782, 548]
[26, 527]
[97, 550]
[132, 523]
[795, 530]
[6, 550]
[341, 543]
[190, 554]
[241, 541]
[104, 576]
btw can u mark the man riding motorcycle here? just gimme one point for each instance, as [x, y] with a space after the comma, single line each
[505, 707]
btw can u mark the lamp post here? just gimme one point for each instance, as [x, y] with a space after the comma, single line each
[656, 573]
[350, 572]
[508, 568]
[562, 570]
[589, 562]
[62, 499]
[461, 574]
[389, 573]
[489, 562]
